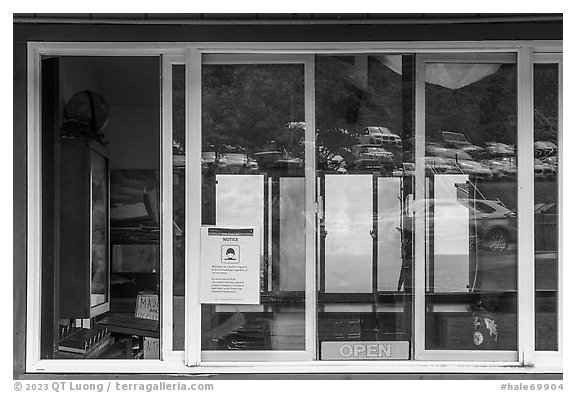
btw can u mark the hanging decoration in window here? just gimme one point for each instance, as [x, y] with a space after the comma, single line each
[86, 115]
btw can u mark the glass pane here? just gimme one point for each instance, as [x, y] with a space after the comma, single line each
[546, 152]
[364, 134]
[253, 177]
[470, 205]
[104, 127]
[100, 253]
[179, 190]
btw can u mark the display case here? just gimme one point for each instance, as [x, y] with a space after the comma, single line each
[84, 229]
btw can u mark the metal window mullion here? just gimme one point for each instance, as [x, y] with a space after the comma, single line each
[560, 234]
[555, 357]
[419, 194]
[526, 287]
[193, 206]
[311, 206]
[166, 272]
[34, 211]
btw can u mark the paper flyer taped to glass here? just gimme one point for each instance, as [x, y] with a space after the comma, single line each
[230, 265]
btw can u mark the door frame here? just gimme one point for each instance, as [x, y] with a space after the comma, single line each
[194, 354]
[522, 56]
[555, 357]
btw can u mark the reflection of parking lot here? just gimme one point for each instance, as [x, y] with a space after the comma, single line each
[451, 153]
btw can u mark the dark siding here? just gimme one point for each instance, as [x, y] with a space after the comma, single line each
[548, 30]
[19, 205]
[23, 32]
[274, 17]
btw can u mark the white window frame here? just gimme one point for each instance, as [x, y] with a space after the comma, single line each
[420, 241]
[174, 361]
[167, 272]
[554, 358]
[309, 353]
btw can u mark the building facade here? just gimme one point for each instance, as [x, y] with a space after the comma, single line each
[270, 193]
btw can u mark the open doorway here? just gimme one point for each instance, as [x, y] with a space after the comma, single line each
[101, 207]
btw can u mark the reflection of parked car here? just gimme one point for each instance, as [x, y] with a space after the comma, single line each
[232, 163]
[371, 157]
[461, 161]
[438, 165]
[544, 149]
[497, 149]
[277, 161]
[379, 136]
[541, 168]
[460, 141]
[433, 165]
[501, 167]
[437, 150]
[252, 165]
[208, 158]
[493, 226]
[472, 168]
[266, 159]
[553, 160]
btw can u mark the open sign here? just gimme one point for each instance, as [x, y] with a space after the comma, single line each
[365, 350]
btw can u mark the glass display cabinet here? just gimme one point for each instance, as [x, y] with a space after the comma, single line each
[84, 229]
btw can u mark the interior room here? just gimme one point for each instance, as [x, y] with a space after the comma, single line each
[107, 184]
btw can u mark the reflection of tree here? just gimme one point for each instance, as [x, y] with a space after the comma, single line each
[178, 104]
[336, 141]
[247, 106]
[497, 115]
[291, 141]
[484, 111]
[351, 98]
[546, 102]
[352, 93]
[545, 128]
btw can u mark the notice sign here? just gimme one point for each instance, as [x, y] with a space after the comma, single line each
[365, 350]
[230, 265]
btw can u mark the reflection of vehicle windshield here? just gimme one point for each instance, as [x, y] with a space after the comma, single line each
[545, 144]
[481, 206]
[208, 157]
[374, 150]
[453, 153]
[455, 137]
[234, 157]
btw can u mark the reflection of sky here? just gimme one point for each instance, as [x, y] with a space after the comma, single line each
[292, 242]
[451, 236]
[451, 220]
[348, 248]
[240, 200]
[350, 217]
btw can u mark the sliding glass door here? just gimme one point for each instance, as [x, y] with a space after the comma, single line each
[359, 207]
[466, 207]
[254, 275]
